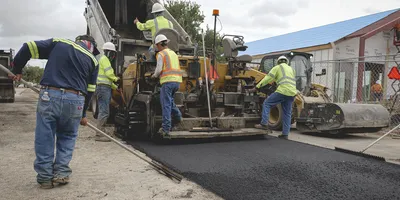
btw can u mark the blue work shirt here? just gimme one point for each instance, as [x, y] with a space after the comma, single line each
[70, 64]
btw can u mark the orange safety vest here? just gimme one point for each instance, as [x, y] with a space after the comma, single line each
[171, 71]
[212, 73]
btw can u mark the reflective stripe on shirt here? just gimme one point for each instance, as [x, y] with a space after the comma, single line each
[286, 79]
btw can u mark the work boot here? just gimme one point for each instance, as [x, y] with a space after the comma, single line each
[163, 133]
[285, 137]
[61, 180]
[100, 138]
[47, 185]
[263, 127]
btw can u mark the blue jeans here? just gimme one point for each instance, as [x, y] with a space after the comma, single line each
[376, 96]
[168, 106]
[286, 103]
[57, 121]
[103, 94]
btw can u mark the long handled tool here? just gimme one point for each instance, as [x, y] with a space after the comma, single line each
[398, 126]
[206, 74]
[22, 80]
[361, 153]
[168, 172]
[211, 128]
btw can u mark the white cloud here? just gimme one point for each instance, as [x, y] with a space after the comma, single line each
[282, 8]
[371, 10]
[22, 21]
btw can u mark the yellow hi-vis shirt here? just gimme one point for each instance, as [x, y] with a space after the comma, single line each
[284, 76]
[171, 71]
[106, 73]
[154, 25]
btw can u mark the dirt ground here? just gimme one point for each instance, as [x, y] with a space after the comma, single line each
[100, 170]
[106, 171]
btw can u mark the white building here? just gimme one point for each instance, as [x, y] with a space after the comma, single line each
[344, 49]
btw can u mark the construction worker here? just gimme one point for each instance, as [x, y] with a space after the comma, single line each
[170, 74]
[68, 82]
[105, 84]
[284, 76]
[376, 90]
[159, 22]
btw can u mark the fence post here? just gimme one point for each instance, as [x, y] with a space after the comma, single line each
[333, 76]
[338, 85]
[364, 85]
[361, 67]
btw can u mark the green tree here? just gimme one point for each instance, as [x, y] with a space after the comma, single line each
[209, 42]
[188, 15]
[32, 73]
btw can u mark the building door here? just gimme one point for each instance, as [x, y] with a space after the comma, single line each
[343, 82]
[373, 72]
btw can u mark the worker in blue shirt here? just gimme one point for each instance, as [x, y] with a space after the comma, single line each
[67, 85]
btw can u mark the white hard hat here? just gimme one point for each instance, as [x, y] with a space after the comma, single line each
[160, 38]
[283, 58]
[157, 8]
[109, 46]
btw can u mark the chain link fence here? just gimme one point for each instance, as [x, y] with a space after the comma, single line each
[361, 80]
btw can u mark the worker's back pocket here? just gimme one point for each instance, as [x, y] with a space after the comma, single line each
[44, 107]
[76, 108]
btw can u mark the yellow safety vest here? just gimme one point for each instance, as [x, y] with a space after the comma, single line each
[171, 71]
[284, 76]
[106, 73]
[154, 25]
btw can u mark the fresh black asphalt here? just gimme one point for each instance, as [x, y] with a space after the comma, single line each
[273, 168]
